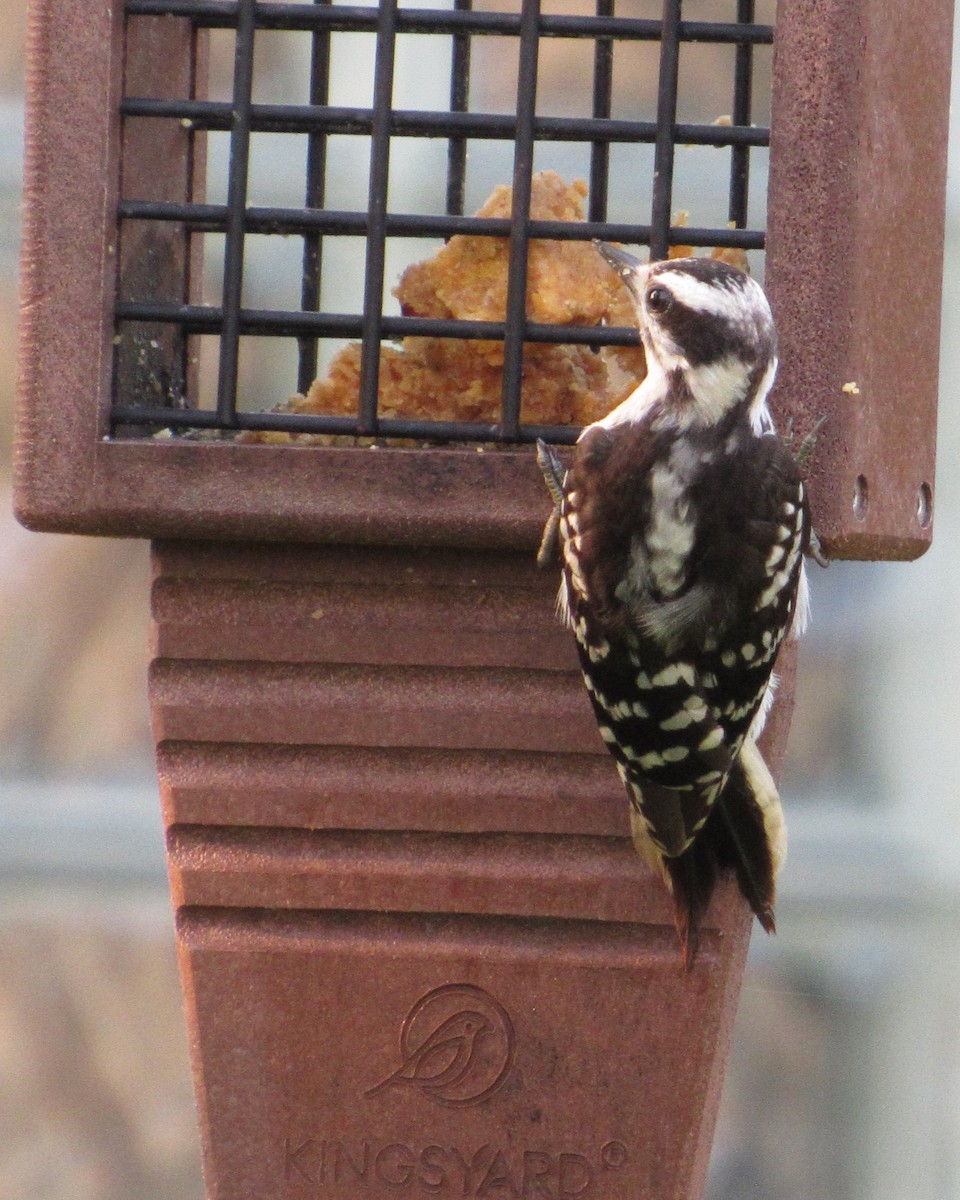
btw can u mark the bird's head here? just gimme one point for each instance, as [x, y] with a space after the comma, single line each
[708, 334]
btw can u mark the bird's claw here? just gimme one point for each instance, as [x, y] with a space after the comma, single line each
[806, 448]
[553, 471]
[814, 548]
[816, 551]
[553, 476]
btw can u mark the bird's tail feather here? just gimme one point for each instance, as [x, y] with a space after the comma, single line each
[744, 834]
[693, 877]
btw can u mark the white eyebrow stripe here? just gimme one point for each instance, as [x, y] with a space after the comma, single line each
[734, 303]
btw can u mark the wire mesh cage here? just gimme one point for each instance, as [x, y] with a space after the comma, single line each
[302, 203]
[230, 220]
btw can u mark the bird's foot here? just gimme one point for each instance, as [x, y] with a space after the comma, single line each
[552, 469]
[807, 446]
[553, 475]
[816, 551]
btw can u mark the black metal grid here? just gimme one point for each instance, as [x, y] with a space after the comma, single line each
[240, 117]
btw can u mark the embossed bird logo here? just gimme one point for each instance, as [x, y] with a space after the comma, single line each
[443, 1059]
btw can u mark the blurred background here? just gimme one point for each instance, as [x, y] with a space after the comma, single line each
[845, 1077]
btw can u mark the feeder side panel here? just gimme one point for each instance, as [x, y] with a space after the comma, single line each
[68, 257]
[854, 261]
[78, 162]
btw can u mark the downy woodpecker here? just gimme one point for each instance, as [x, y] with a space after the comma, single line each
[684, 523]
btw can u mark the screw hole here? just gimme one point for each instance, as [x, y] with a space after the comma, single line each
[924, 505]
[860, 497]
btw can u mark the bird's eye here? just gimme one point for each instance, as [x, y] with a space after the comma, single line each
[658, 299]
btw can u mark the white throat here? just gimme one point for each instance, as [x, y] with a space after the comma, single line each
[652, 389]
[715, 390]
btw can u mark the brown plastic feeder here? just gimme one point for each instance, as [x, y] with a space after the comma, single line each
[405, 852]
[419, 954]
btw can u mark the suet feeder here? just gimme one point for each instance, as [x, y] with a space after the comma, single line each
[418, 952]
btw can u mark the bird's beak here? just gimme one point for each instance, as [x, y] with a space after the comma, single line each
[631, 270]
